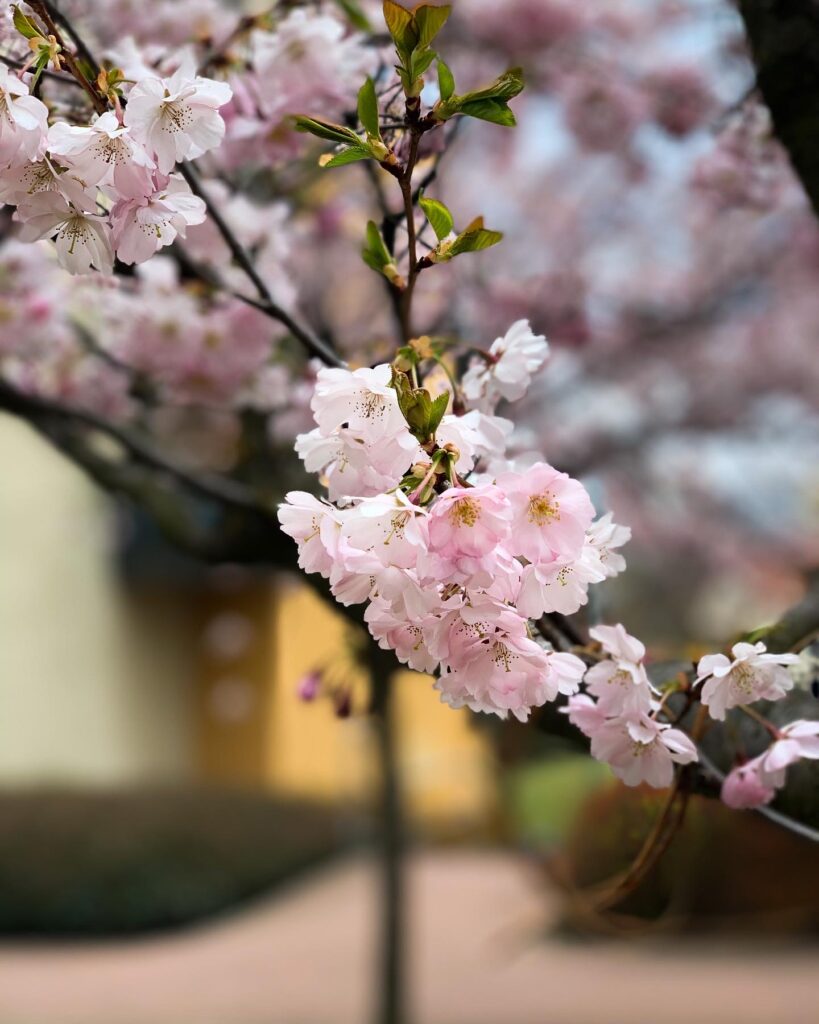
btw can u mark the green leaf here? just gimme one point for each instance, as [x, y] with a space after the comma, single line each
[368, 108]
[357, 17]
[420, 62]
[24, 25]
[489, 103]
[495, 111]
[326, 130]
[423, 415]
[475, 238]
[429, 21]
[401, 26]
[446, 81]
[438, 215]
[376, 244]
[346, 156]
[505, 87]
[439, 407]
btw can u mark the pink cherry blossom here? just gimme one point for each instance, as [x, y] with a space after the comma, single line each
[603, 538]
[144, 225]
[619, 682]
[557, 586]
[585, 714]
[743, 788]
[752, 675]
[407, 638]
[641, 749]
[354, 468]
[551, 513]
[467, 524]
[797, 741]
[390, 527]
[498, 673]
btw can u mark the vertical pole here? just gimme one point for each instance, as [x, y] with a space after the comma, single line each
[391, 967]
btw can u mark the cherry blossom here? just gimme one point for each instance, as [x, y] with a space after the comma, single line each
[362, 400]
[508, 369]
[550, 513]
[752, 675]
[103, 154]
[142, 226]
[83, 239]
[797, 741]
[743, 788]
[23, 119]
[314, 525]
[619, 682]
[642, 749]
[466, 525]
[177, 118]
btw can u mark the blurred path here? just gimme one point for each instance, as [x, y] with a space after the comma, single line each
[304, 958]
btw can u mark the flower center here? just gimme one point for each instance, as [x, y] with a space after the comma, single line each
[465, 512]
[543, 509]
[742, 678]
[398, 524]
[176, 116]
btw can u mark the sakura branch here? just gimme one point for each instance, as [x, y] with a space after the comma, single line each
[467, 554]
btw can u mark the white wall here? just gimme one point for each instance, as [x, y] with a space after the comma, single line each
[96, 684]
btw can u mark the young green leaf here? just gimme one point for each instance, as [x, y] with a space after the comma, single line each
[429, 21]
[377, 256]
[346, 156]
[438, 215]
[326, 130]
[368, 108]
[437, 412]
[446, 81]
[475, 238]
[489, 104]
[505, 87]
[495, 111]
[401, 26]
[24, 25]
[420, 62]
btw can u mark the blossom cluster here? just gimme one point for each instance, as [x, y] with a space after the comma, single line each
[452, 546]
[108, 188]
[620, 714]
[753, 674]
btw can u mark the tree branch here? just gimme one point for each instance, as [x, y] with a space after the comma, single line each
[784, 38]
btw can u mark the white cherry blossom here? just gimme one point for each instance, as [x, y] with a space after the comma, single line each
[83, 239]
[752, 675]
[507, 373]
[177, 118]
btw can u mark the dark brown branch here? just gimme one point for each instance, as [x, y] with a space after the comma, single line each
[784, 38]
[43, 412]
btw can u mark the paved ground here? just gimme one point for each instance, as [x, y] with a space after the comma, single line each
[303, 958]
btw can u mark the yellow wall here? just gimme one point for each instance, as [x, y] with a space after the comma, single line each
[100, 683]
[303, 749]
[96, 684]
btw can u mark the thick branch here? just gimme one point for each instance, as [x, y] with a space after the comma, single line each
[784, 38]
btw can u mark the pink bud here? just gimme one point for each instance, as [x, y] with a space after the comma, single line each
[309, 686]
[743, 789]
